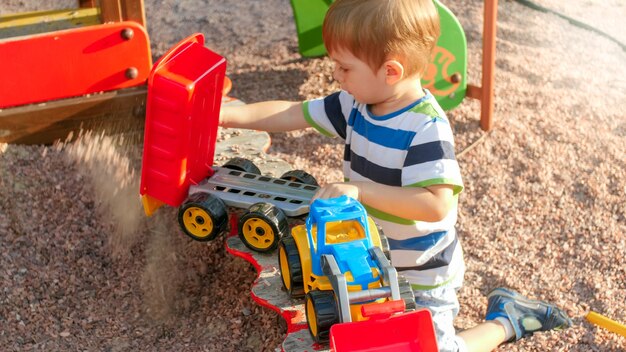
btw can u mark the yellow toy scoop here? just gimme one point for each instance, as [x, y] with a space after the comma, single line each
[602, 321]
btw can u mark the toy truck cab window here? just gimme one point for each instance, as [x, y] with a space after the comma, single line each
[344, 231]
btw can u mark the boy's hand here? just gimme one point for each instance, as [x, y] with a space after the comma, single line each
[337, 189]
[223, 112]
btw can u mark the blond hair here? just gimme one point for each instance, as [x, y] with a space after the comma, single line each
[378, 30]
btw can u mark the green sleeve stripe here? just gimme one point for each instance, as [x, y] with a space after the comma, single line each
[457, 186]
[425, 108]
[309, 119]
[427, 287]
[388, 217]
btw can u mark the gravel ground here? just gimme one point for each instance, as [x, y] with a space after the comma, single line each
[543, 212]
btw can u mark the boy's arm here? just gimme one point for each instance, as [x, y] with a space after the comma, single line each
[270, 116]
[430, 203]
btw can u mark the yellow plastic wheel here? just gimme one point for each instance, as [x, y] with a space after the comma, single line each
[258, 233]
[311, 318]
[203, 216]
[197, 222]
[284, 268]
[321, 313]
[262, 227]
[290, 267]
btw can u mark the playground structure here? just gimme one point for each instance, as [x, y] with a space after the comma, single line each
[102, 57]
[97, 60]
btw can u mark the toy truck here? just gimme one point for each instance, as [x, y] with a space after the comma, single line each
[182, 115]
[338, 261]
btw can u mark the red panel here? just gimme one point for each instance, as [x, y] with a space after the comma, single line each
[382, 310]
[72, 62]
[412, 331]
[183, 106]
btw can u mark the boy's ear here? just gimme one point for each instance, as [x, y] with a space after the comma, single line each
[394, 71]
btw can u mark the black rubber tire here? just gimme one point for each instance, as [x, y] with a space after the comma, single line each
[384, 242]
[299, 176]
[406, 293]
[324, 315]
[289, 260]
[203, 216]
[262, 227]
[242, 164]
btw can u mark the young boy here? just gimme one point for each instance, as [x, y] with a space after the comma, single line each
[399, 160]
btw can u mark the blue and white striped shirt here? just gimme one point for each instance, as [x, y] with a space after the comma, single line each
[412, 147]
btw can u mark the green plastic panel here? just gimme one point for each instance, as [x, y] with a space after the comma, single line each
[449, 57]
[309, 16]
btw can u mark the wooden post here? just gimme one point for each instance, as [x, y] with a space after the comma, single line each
[110, 11]
[133, 10]
[489, 64]
[122, 10]
[87, 3]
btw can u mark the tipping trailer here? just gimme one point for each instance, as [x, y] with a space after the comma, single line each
[182, 114]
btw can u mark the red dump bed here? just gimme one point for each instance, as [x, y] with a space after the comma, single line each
[412, 331]
[182, 115]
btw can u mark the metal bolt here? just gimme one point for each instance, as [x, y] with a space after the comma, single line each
[455, 78]
[132, 73]
[127, 33]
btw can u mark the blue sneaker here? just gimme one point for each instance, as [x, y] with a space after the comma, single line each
[526, 315]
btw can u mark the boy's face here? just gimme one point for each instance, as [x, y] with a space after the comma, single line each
[357, 78]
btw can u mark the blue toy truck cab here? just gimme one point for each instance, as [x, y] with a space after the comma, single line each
[350, 249]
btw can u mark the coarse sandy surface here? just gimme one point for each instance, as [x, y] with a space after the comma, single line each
[543, 211]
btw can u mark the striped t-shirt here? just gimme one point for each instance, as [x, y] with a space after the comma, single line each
[412, 147]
